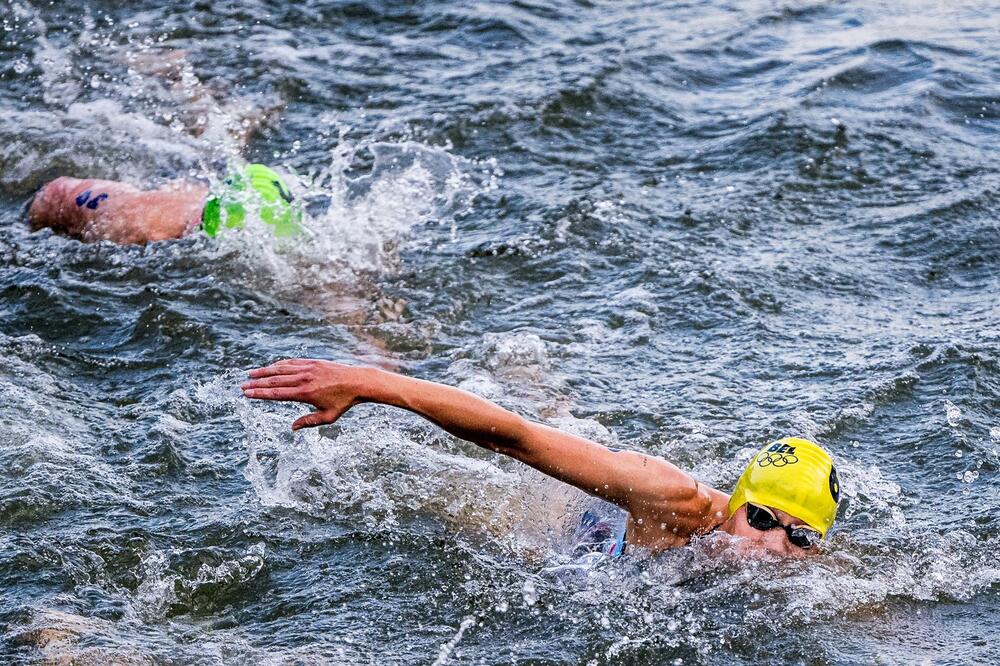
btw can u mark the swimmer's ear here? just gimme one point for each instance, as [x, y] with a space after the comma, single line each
[324, 417]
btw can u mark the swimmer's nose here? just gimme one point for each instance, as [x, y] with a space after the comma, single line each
[774, 541]
[777, 541]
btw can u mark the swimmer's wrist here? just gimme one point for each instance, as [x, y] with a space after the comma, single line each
[370, 385]
[389, 388]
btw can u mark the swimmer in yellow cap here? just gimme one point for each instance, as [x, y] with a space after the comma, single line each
[785, 501]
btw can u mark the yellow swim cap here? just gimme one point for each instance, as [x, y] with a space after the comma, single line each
[794, 475]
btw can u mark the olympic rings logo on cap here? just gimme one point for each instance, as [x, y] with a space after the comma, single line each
[776, 459]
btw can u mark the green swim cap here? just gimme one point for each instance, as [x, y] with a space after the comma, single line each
[278, 207]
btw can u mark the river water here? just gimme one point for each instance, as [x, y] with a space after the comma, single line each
[684, 228]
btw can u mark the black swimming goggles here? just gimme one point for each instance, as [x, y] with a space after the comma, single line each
[763, 519]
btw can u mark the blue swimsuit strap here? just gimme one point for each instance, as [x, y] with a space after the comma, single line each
[618, 547]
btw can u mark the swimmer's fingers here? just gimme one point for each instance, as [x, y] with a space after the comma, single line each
[295, 361]
[291, 393]
[275, 381]
[285, 367]
[325, 385]
[323, 417]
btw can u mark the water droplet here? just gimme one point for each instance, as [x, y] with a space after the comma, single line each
[970, 476]
[952, 413]
[529, 592]
[21, 66]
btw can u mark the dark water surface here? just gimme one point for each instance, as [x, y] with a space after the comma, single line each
[684, 227]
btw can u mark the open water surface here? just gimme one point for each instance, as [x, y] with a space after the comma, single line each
[685, 227]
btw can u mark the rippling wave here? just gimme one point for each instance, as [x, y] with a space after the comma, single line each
[682, 228]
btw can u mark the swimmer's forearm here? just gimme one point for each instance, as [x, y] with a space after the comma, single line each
[458, 412]
[333, 388]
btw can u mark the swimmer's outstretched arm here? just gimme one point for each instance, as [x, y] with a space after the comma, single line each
[646, 486]
[95, 210]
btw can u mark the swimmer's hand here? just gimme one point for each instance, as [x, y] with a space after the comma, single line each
[332, 388]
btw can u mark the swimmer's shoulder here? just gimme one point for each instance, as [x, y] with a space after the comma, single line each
[713, 505]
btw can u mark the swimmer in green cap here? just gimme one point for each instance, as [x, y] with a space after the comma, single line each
[785, 501]
[93, 210]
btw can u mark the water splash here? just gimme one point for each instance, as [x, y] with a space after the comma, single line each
[444, 654]
[157, 591]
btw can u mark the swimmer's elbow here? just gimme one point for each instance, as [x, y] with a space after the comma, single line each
[674, 493]
[514, 437]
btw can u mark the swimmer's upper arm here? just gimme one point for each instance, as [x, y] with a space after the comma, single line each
[641, 484]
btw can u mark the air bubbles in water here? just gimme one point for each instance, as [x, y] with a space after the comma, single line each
[968, 476]
[156, 591]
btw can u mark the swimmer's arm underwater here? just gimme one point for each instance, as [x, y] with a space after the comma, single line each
[651, 489]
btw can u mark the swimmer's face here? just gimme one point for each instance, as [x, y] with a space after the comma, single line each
[774, 540]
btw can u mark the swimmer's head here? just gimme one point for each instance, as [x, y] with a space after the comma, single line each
[256, 184]
[791, 476]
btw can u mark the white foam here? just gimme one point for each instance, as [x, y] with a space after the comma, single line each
[357, 222]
